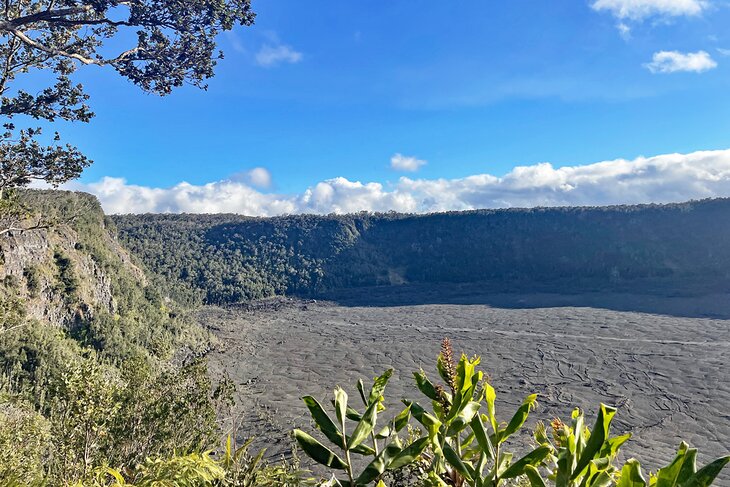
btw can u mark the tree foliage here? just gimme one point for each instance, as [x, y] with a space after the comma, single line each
[230, 258]
[167, 43]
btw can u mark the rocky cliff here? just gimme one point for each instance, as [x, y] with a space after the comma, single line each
[64, 271]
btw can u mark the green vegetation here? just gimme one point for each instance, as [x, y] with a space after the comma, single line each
[96, 385]
[174, 45]
[101, 381]
[227, 258]
[389, 455]
[464, 444]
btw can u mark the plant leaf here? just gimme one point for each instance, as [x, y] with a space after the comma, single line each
[365, 426]
[379, 464]
[533, 458]
[519, 417]
[378, 389]
[323, 421]
[706, 475]
[455, 461]
[401, 421]
[480, 433]
[341, 404]
[533, 475]
[425, 385]
[318, 452]
[631, 475]
[599, 434]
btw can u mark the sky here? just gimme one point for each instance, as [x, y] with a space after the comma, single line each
[339, 106]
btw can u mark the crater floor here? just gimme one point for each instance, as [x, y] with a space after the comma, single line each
[662, 360]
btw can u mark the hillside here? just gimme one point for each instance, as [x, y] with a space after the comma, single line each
[75, 275]
[96, 367]
[228, 258]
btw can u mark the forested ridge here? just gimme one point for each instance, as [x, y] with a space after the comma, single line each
[228, 258]
[96, 367]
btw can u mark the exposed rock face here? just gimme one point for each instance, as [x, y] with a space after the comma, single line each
[63, 273]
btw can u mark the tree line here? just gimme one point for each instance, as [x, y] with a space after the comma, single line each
[219, 259]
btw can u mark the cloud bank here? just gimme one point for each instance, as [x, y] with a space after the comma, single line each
[675, 61]
[659, 179]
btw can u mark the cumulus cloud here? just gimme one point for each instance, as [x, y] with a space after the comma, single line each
[675, 61]
[259, 177]
[272, 55]
[641, 9]
[399, 162]
[659, 179]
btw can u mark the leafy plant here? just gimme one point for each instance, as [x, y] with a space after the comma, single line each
[579, 456]
[465, 443]
[385, 446]
[463, 447]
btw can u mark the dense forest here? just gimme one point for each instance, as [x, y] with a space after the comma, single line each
[96, 367]
[229, 258]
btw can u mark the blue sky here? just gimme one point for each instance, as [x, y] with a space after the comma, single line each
[336, 89]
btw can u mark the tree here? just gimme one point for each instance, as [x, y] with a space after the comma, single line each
[167, 43]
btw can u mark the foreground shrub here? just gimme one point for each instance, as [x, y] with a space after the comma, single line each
[464, 442]
[385, 447]
[24, 437]
[235, 467]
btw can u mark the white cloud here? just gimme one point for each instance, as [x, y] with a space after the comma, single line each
[675, 61]
[624, 31]
[724, 52]
[259, 177]
[399, 162]
[659, 179]
[272, 55]
[641, 9]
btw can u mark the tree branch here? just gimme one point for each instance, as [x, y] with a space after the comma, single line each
[54, 52]
[43, 16]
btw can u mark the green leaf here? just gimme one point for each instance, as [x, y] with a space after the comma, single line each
[462, 419]
[689, 466]
[504, 460]
[378, 389]
[612, 445]
[383, 433]
[401, 421]
[533, 475]
[341, 404]
[706, 475]
[519, 417]
[533, 458]
[631, 475]
[350, 413]
[465, 373]
[365, 426]
[425, 385]
[602, 479]
[410, 454]
[480, 433]
[379, 464]
[431, 423]
[318, 452]
[668, 476]
[491, 396]
[361, 390]
[599, 434]
[455, 461]
[323, 421]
